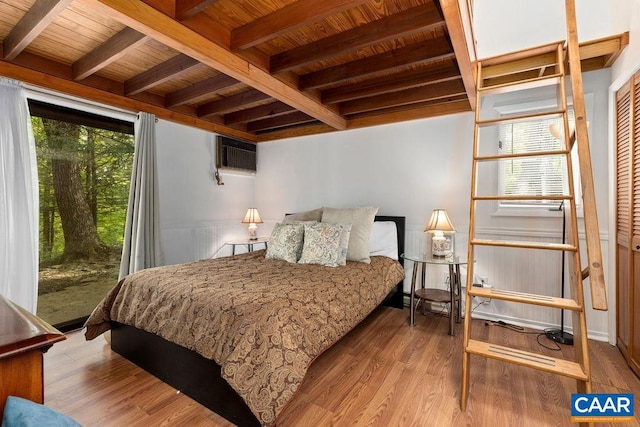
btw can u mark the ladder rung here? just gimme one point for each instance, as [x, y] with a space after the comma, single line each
[585, 273]
[526, 245]
[521, 85]
[519, 155]
[525, 197]
[525, 298]
[521, 118]
[524, 358]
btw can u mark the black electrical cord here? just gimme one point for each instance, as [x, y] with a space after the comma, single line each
[521, 330]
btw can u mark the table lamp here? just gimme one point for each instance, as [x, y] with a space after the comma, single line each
[438, 225]
[252, 218]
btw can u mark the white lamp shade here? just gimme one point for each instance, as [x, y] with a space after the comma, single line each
[440, 221]
[252, 217]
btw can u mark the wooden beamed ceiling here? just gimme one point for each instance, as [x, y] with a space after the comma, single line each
[276, 69]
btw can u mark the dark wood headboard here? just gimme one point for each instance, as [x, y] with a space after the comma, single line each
[396, 298]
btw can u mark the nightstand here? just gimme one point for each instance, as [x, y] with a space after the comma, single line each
[452, 296]
[248, 243]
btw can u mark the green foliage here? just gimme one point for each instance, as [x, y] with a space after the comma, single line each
[105, 159]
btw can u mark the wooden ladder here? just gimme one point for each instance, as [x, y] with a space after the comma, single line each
[533, 68]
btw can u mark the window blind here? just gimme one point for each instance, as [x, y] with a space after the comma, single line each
[534, 175]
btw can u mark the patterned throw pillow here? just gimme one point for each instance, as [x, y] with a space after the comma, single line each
[325, 244]
[285, 242]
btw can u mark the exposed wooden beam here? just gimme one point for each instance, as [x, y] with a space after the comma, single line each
[110, 51]
[521, 65]
[624, 41]
[293, 132]
[159, 74]
[393, 83]
[608, 47]
[410, 21]
[525, 64]
[231, 103]
[173, 34]
[102, 90]
[409, 96]
[413, 112]
[263, 111]
[289, 18]
[39, 16]
[592, 64]
[409, 107]
[419, 112]
[279, 122]
[187, 8]
[388, 61]
[461, 34]
[201, 91]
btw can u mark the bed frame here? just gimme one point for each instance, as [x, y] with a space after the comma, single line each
[198, 377]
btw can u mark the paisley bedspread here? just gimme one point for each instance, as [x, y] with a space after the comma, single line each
[263, 321]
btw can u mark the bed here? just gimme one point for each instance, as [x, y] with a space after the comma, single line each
[241, 340]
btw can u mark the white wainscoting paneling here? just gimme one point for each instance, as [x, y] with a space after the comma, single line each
[192, 242]
[534, 271]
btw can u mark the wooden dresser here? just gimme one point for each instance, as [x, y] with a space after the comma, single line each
[23, 339]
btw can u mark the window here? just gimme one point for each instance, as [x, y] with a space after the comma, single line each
[84, 170]
[534, 175]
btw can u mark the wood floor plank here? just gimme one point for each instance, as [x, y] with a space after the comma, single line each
[383, 373]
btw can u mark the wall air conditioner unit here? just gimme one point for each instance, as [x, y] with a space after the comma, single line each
[233, 154]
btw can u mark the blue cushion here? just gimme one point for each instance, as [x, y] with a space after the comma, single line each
[19, 412]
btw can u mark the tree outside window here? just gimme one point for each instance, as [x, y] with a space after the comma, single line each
[84, 170]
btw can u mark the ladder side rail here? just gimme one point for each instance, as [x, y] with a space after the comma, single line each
[464, 392]
[579, 321]
[592, 233]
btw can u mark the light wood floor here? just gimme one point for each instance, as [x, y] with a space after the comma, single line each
[384, 373]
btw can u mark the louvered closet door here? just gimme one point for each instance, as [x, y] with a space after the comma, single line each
[634, 267]
[628, 221]
[624, 295]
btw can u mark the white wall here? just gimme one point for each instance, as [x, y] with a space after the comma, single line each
[406, 169]
[626, 17]
[503, 26]
[411, 168]
[196, 214]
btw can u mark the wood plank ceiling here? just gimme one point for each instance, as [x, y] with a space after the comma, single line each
[254, 69]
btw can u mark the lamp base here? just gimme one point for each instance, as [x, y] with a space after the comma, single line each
[253, 231]
[559, 336]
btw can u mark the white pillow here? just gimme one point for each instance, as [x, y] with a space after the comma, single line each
[384, 239]
[325, 244]
[314, 215]
[285, 242]
[361, 220]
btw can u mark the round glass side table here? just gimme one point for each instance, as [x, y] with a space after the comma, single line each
[453, 296]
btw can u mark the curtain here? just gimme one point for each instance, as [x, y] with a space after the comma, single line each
[142, 247]
[18, 199]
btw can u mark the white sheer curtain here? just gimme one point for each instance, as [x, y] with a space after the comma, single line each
[18, 199]
[142, 247]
